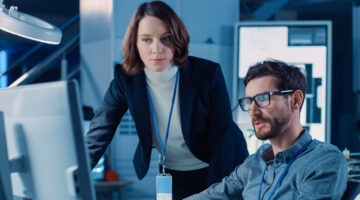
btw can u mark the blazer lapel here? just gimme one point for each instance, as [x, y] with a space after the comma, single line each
[139, 108]
[138, 103]
[187, 93]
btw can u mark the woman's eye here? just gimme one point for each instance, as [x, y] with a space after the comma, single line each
[146, 40]
[166, 39]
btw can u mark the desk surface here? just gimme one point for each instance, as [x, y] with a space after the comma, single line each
[110, 189]
[111, 184]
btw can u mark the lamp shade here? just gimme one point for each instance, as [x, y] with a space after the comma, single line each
[27, 26]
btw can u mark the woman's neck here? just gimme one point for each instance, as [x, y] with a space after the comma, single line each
[161, 77]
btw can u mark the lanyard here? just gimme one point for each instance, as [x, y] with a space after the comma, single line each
[284, 172]
[162, 147]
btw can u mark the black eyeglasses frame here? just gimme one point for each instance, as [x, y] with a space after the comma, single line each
[278, 92]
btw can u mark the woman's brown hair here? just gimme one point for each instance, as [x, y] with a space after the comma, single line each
[180, 38]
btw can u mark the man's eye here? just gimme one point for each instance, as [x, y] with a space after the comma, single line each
[260, 97]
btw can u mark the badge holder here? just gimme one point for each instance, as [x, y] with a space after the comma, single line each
[163, 186]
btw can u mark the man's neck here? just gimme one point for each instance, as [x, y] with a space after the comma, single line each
[286, 139]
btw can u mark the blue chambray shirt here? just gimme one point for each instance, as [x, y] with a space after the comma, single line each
[320, 172]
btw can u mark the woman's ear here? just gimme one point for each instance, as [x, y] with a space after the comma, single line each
[297, 99]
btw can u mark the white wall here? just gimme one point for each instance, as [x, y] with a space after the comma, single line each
[96, 49]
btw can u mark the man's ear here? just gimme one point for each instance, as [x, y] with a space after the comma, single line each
[297, 99]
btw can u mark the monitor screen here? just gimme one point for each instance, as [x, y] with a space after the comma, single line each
[306, 44]
[44, 136]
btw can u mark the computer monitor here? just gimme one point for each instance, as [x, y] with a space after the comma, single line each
[5, 183]
[45, 142]
[306, 44]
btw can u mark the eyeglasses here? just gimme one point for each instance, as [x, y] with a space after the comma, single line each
[262, 100]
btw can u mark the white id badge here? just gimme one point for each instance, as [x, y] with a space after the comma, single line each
[163, 187]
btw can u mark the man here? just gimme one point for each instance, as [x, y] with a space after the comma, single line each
[293, 165]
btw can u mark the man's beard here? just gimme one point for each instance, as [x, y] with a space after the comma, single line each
[274, 127]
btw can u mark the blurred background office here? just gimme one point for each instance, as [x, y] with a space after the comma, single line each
[92, 36]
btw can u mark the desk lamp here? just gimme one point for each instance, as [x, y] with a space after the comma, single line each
[27, 26]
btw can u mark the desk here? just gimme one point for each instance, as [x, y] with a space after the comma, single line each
[110, 190]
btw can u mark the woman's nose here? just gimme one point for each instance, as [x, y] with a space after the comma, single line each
[157, 46]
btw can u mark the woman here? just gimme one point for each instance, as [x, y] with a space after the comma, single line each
[180, 105]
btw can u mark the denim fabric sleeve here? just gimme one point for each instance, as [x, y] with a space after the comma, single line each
[319, 173]
[326, 176]
[230, 187]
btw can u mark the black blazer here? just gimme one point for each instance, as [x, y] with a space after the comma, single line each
[206, 119]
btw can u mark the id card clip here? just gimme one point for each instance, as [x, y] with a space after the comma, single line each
[163, 187]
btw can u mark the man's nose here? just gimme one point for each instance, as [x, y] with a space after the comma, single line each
[254, 109]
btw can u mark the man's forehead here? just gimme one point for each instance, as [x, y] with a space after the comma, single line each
[260, 85]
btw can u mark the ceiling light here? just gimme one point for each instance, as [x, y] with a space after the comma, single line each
[27, 26]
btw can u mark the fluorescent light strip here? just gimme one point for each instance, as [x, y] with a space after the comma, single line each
[3, 68]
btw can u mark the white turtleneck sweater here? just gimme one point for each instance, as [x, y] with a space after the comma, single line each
[161, 87]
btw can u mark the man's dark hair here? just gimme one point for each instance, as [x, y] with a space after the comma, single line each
[288, 77]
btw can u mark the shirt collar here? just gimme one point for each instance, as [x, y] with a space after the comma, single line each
[286, 155]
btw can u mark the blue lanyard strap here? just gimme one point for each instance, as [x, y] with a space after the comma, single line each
[297, 154]
[162, 147]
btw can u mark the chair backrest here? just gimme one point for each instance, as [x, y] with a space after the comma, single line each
[352, 191]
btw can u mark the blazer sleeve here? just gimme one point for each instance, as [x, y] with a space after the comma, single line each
[107, 117]
[228, 145]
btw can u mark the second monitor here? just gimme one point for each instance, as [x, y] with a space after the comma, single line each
[47, 155]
